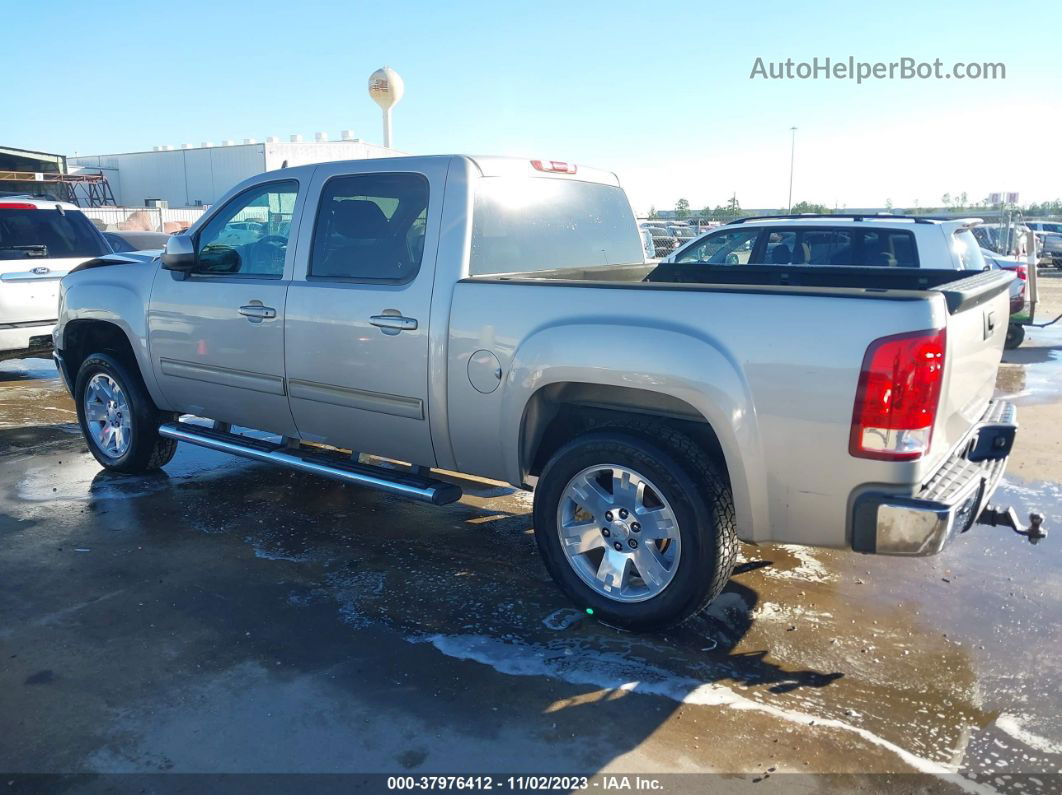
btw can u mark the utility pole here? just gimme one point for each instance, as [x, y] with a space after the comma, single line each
[792, 152]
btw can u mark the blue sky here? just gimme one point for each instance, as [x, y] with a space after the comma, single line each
[659, 93]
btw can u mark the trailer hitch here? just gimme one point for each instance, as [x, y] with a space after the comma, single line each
[995, 516]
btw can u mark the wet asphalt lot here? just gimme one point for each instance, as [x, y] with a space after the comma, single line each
[224, 616]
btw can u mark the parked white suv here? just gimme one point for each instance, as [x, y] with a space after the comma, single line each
[839, 240]
[40, 241]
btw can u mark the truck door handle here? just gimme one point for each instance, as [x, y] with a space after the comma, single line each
[258, 312]
[397, 322]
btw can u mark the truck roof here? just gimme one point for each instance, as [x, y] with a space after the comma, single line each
[495, 166]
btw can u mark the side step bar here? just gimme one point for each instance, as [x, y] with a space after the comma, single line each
[413, 486]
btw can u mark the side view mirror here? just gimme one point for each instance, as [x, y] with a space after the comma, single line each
[179, 254]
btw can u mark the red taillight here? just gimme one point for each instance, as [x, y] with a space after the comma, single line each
[896, 401]
[1023, 272]
[17, 206]
[554, 166]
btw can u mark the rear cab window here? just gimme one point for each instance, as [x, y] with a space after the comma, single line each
[522, 224]
[29, 232]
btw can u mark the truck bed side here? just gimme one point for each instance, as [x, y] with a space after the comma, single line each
[772, 369]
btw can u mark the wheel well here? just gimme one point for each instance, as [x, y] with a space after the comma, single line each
[84, 337]
[559, 412]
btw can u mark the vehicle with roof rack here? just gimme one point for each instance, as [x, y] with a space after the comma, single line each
[496, 317]
[838, 240]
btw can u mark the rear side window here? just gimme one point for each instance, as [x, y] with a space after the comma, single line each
[969, 251]
[370, 227]
[840, 248]
[888, 248]
[825, 247]
[37, 233]
[540, 223]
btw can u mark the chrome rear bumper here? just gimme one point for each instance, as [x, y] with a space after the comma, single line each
[945, 505]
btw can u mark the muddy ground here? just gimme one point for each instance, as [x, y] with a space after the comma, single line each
[223, 616]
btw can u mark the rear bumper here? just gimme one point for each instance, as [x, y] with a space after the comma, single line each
[21, 340]
[948, 503]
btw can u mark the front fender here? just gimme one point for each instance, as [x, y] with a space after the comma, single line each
[118, 296]
[684, 365]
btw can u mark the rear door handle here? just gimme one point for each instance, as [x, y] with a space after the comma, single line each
[397, 322]
[258, 312]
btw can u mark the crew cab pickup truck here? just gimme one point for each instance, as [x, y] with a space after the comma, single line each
[496, 317]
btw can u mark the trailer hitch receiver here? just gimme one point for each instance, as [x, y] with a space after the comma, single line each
[995, 516]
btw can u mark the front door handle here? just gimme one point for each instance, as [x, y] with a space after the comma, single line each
[397, 322]
[257, 312]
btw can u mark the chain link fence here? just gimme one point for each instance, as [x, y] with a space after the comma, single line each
[661, 236]
[143, 219]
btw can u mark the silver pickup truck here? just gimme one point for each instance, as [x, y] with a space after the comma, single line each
[496, 317]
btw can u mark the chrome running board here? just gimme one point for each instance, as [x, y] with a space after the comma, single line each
[411, 485]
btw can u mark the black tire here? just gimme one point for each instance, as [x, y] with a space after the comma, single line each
[148, 451]
[1015, 336]
[699, 496]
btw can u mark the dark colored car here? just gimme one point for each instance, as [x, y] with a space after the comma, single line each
[1018, 312]
[135, 240]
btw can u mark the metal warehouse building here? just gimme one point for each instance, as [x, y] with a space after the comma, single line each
[197, 176]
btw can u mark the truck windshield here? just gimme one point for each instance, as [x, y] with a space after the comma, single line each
[536, 223]
[29, 234]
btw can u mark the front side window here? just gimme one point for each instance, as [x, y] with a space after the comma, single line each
[778, 248]
[249, 235]
[370, 227]
[722, 248]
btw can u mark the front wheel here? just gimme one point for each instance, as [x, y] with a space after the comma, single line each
[632, 535]
[118, 418]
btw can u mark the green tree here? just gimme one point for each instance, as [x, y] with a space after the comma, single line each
[653, 213]
[682, 209]
[888, 204]
[724, 212]
[808, 207]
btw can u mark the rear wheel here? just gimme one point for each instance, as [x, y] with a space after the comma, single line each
[631, 534]
[1015, 336]
[118, 418]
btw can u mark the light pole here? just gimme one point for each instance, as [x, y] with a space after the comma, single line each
[792, 152]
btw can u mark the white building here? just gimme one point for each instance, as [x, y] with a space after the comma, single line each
[200, 175]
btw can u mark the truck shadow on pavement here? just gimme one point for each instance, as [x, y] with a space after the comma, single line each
[232, 598]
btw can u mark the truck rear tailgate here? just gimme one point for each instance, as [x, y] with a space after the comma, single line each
[29, 288]
[978, 313]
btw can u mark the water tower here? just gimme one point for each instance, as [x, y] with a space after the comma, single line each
[386, 88]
